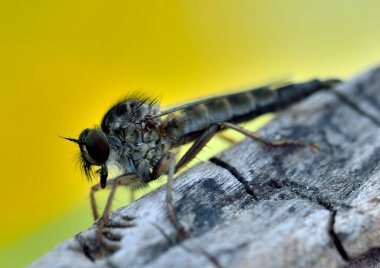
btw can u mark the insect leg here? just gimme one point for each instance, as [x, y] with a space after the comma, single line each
[166, 165]
[127, 179]
[94, 189]
[94, 207]
[226, 138]
[172, 168]
[197, 146]
[181, 232]
[265, 141]
[132, 196]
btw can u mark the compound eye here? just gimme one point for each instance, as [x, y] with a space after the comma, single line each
[97, 146]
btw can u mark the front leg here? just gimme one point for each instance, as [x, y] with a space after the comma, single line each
[126, 180]
[110, 184]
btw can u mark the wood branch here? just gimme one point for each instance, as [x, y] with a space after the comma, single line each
[256, 206]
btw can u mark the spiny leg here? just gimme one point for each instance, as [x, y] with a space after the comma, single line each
[227, 138]
[132, 196]
[265, 141]
[111, 183]
[181, 232]
[172, 168]
[94, 189]
[197, 146]
[104, 218]
[94, 207]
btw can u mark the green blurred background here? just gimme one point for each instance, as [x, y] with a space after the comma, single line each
[64, 63]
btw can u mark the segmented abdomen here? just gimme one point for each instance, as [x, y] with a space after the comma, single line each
[243, 106]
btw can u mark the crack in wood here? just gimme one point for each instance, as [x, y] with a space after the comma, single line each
[356, 108]
[335, 239]
[305, 192]
[312, 196]
[233, 171]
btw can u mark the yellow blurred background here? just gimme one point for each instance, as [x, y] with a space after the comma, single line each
[64, 63]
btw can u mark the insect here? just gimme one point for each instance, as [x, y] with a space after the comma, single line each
[141, 141]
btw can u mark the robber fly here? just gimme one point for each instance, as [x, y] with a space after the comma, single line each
[140, 140]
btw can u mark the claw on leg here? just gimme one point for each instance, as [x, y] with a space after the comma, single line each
[111, 183]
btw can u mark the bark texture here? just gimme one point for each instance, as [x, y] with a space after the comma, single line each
[255, 206]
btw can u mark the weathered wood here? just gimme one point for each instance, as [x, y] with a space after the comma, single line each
[253, 206]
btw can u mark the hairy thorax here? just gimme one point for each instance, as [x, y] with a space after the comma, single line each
[137, 138]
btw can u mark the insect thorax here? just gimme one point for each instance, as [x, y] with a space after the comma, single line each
[137, 141]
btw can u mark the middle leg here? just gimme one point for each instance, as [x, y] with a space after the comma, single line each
[167, 165]
[181, 231]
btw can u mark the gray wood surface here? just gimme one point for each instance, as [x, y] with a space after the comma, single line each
[254, 206]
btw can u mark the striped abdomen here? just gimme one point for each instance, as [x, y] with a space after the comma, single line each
[243, 106]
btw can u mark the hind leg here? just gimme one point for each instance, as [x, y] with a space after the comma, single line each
[267, 142]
